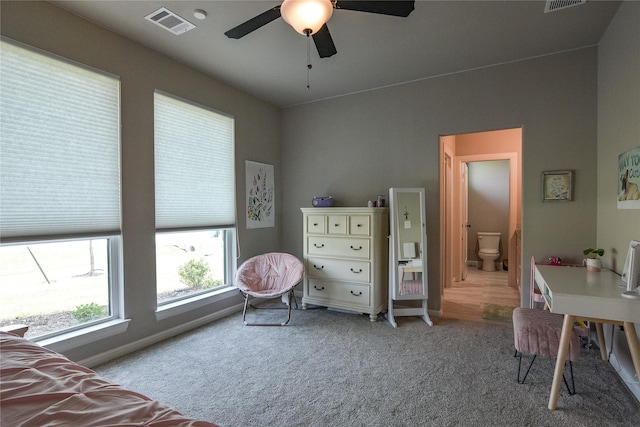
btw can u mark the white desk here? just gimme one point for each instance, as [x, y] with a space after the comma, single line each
[581, 294]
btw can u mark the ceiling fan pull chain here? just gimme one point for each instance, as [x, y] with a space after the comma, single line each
[309, 66]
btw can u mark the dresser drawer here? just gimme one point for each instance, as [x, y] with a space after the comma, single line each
[339, 247]
[316, 224]
[337, 224]
[359, 225]
[348, 293]
[337, 269]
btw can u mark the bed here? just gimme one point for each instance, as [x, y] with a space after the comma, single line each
[39, 387]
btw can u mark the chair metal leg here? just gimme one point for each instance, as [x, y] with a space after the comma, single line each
[528, 369]
[244, 310]
[290, 298]
[571, 390]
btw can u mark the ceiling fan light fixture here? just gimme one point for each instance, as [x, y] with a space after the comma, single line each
[305, 15]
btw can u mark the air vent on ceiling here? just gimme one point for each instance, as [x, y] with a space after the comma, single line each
[168, 20]
[553, 5]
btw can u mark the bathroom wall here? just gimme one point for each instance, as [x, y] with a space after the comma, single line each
[488, 203]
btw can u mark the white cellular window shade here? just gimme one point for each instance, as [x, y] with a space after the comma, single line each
[194, 166]
[59, 147]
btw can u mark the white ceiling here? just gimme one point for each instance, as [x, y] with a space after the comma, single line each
[438, 37]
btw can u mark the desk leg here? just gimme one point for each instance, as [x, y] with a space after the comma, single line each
[563, 350]
[603, 346]
[634, 345]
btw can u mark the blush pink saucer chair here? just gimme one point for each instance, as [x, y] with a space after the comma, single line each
[266, 276]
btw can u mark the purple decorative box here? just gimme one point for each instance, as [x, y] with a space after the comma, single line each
[322, 202]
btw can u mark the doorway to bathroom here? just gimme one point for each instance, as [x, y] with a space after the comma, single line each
[487, 216]
[480, 191]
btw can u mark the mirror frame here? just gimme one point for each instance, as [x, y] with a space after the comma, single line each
[395, 247]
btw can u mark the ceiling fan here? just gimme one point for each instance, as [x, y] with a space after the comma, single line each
[294, 13]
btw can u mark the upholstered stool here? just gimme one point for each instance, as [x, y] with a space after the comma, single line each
[537, 332]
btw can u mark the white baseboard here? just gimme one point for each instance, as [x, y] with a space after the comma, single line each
[478, 264]
[434, 313]
[101, 358]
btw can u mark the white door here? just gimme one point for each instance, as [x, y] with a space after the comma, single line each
[464, 210]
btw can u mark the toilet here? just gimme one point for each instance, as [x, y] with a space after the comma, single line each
[489, 243]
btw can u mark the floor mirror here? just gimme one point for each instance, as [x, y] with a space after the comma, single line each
[408, 287]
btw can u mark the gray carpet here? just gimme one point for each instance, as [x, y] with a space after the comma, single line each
[335, 369]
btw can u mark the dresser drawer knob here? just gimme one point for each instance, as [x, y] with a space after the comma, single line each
[321, 288]
[359, 225]
[318, 246]
[336, 225]
[356, 249]
[318, 267]
[356, 271]
[356, 294]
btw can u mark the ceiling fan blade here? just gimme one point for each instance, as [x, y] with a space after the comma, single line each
[394, 8]
[324, 42]
[254, 23]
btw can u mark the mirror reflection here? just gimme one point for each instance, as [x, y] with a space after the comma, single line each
[408, 266]
[409, 227]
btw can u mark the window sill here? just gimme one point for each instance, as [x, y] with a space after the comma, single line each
[183, 306]
[63, 342]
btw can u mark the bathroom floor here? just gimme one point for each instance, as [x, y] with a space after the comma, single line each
[465, 300]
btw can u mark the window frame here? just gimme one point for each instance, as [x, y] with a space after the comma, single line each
[190, 302]
[115, 323]
[229, 269]
[115, 292]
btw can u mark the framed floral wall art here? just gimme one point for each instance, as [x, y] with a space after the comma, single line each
[557, 185]
[260, 195]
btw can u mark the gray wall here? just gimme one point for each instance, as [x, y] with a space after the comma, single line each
[141, 71]
[489, 203]
[354, 147]
[618, 131]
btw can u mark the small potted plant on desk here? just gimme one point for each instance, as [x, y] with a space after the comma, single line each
[592, 261]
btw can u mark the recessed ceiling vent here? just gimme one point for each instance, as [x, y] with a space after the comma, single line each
[168, 20]
[553, 5]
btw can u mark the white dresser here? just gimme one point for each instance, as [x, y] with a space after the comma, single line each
[346, 255]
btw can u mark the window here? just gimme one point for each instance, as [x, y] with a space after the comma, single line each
[59, 191]
[55, 286]
[195, 199]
